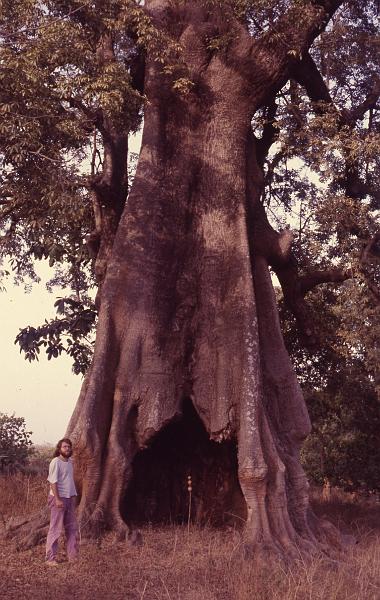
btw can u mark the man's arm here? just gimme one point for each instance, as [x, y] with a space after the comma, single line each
[58, 501]
[53, 480]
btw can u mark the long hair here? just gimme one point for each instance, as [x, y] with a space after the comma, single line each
[57, 450]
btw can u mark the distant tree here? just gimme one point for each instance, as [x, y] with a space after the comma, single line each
[15, 442]
[38, 463]
[343, 446]
[339, 379]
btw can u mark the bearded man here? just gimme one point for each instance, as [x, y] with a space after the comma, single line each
[61, 502]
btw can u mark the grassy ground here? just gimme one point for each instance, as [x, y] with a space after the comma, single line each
[202, 564]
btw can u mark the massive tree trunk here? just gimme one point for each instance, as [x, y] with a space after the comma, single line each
[189, 356]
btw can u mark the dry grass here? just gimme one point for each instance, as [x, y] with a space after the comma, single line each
[21, 494]
[201, 565]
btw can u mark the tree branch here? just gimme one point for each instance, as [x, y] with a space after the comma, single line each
[315, 17]
[295, 301]
[314, 278]
[265, 60]
[307, 74]
[269, 135]
[295, 287]
[372, 248]
[368, 103]
[330, 6]
[137, 71]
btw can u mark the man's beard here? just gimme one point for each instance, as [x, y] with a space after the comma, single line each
[67, 454]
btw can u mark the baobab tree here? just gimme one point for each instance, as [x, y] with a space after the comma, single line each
[189, 356]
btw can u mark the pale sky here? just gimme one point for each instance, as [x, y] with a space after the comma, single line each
[43, 392]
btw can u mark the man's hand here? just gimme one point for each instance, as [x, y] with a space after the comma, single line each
[58, 502]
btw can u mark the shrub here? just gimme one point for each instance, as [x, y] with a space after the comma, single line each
[15, 442]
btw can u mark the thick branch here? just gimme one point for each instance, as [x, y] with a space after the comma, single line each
[137, 71]
[307, 74]
[371, 249]
[295, 287]
[368, 103]
[277, 249]
[330, 6]
[109, 187]
[314, 278]
[269, 135]
[294, 300]
[316, 15]
[265, 60]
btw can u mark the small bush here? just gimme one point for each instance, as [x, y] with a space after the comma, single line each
[15, 442]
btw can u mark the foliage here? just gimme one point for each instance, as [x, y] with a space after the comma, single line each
[15, 442]
[323, 181]
[338, 379]
[51, 88]
[38, 463]
[70, 332]
[344, 444]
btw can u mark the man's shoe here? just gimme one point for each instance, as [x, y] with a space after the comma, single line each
[52, 563]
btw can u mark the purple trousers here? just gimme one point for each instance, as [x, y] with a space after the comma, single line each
[62, 518]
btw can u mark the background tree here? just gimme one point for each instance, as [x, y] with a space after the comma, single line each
[246, 107]
[15, 442]
[340, 392]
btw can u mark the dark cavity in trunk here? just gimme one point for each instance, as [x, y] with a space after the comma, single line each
[158, 491]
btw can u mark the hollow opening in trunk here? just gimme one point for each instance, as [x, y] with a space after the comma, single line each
[158, 491]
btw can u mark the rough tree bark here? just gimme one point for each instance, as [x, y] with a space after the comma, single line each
[189, 334]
